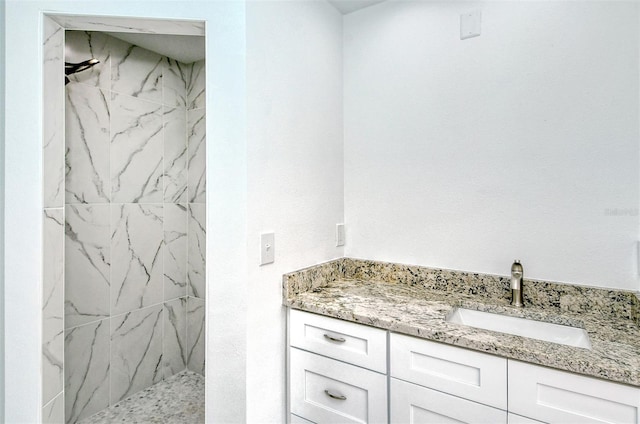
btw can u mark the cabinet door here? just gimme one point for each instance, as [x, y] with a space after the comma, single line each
[324, 390]
[294, 419]
[555, 396]
[518, 419]
[413, 404]
[461, 372]
[347, 341]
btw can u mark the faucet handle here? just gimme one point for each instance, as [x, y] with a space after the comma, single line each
[516, 268]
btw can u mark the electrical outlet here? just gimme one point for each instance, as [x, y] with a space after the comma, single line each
[339, 234]
[267, 248]
[470, 24]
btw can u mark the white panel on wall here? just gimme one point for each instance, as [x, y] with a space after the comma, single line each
[521, 143]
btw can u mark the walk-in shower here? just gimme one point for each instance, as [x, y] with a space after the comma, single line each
[125, 308]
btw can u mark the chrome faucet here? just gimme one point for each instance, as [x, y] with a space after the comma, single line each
[516, 284]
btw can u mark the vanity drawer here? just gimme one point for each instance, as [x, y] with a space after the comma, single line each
[349, 342]
[461, 372]
[324, 390]
[555, 396]
[294, 419]
[413, 404]
[519, 419]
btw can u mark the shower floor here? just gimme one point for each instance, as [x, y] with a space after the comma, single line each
[177, 400]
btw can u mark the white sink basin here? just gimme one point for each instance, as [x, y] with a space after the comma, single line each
[555, 333]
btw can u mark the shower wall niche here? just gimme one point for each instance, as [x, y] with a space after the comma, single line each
[134, 223]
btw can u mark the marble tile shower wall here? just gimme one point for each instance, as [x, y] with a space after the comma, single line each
[134, 225]
[53, 226]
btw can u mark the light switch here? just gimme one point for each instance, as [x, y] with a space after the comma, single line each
[267, 248]
[339, 234]
[638, 253]
[470, 24]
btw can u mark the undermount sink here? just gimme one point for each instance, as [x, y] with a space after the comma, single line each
[555, 333]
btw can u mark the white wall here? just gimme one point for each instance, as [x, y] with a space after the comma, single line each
[226, 194]
[2, 37]
[521, 143]
[295, 177]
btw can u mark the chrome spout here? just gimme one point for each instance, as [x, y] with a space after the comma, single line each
[516, 284]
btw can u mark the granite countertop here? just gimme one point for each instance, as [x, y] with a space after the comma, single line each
[416, 301]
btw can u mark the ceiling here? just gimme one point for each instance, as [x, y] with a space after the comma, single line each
[191, 48]
[348, 6]
[183, 48]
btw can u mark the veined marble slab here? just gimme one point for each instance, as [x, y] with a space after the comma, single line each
[196, 127]
[136, 351]
[136, 150]
[87, 144]
[416, 301]
[175, 155]
[135, 71]
[53, 304]
[84, 45]
[196, 82]
[197, 251]
[87, 264]
[174, 79]
[53, 412]
[175, 250]
[53, 117]
[137, 248]
[195, 335]
[86, 359]
[174, 345]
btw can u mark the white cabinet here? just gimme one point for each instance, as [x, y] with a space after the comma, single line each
[294, 419]
[412, 404]
[555, 396]
[471, 375]
[338, 374]
[346, 341]
[518, 419]
[325, 390]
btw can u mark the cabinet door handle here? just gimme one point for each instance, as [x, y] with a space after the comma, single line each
[334, 339]
[331, 395]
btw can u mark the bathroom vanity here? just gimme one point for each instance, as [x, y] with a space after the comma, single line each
[370, 342]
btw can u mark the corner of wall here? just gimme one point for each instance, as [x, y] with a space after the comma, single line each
[2, 106]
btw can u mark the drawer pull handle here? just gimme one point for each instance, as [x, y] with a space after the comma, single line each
[331, 395]
[334, 339]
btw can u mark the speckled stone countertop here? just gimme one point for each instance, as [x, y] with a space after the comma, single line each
[416, 300]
